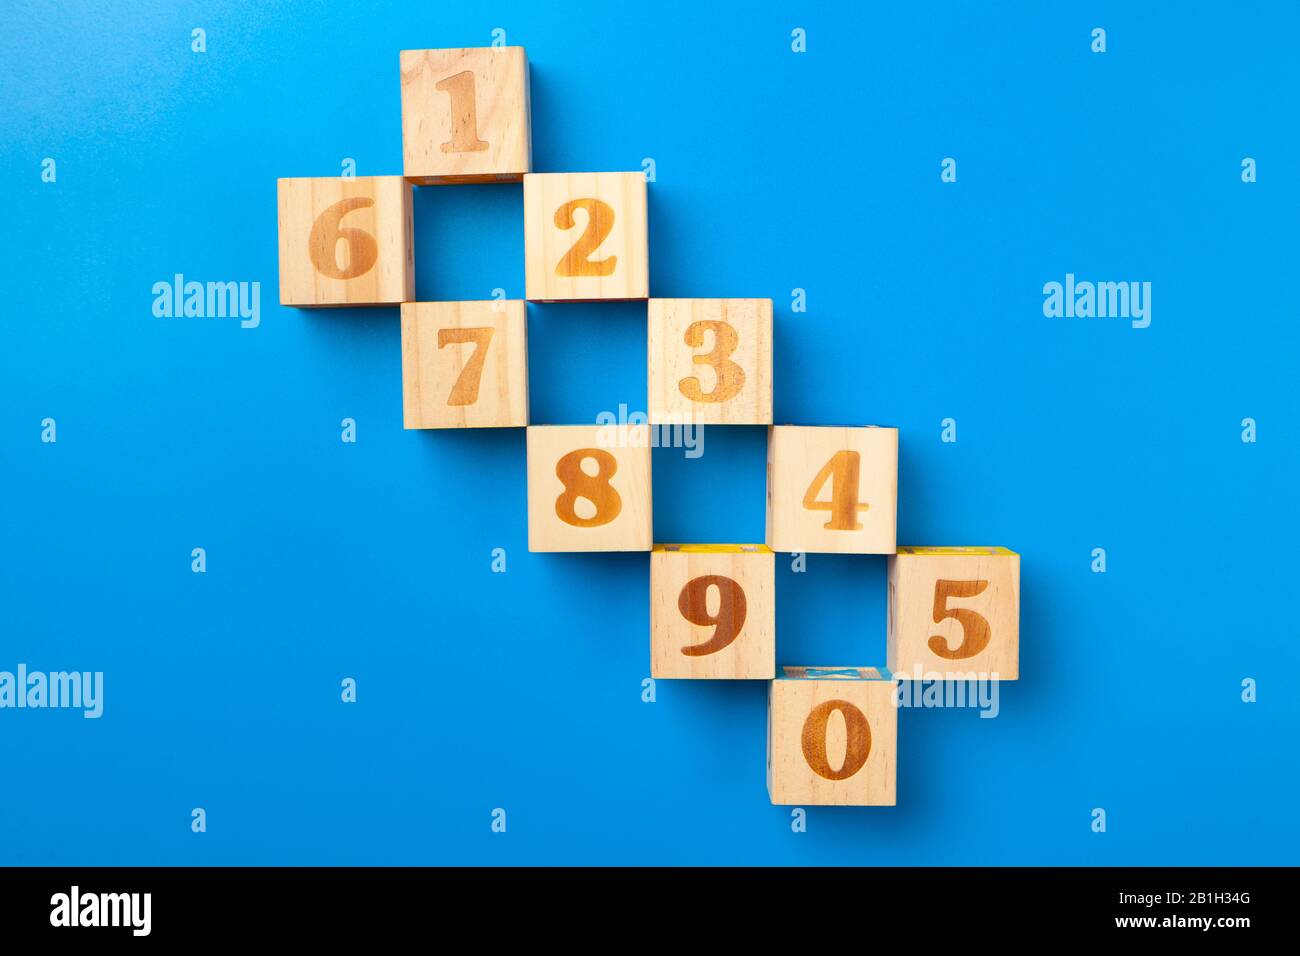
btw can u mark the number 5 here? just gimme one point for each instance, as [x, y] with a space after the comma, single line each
[975, 629]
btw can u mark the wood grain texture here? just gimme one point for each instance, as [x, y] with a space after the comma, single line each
[694, 576]
[447, 137]
[464, 364]
[709, 361]
[585, 237]
[346, 241]
[796, 457]
[607, 480]
[932, 632]
[832, 738]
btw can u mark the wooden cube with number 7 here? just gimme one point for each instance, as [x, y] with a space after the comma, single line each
[589, 488]
[832, 489]
[464, 364]
[346, 241]
[954, 614]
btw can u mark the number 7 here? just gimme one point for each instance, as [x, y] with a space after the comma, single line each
[465, 391]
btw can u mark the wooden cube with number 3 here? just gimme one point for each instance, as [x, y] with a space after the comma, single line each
[710, 361]
[713, 611]
[589, 488]
[346, 241]
[464, 364]
[585, 236]
[954, 614]
[465, 115]
[832, 737]
[832, 489]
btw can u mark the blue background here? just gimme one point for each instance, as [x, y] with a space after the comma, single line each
[523, 690]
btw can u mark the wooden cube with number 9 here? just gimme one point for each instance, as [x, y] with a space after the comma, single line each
[832, 737]
[585, 237]
[589, 488]
[464, 364]
[832, 489]
[346, 241]
[954, 614]
[713, 611]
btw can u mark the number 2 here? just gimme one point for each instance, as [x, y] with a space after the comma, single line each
[842, 472]
[600, 220]
[975, 629]
[732, 608]
[465, 391]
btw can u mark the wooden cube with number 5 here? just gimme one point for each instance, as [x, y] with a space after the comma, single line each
[832, 737]
[346, 241]
[954, 614]
[464, 364]
[589, 488]
[585, 236]
[832, 489]
[713, 611]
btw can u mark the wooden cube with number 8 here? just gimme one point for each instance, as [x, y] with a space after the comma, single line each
[832, 489]
[585, 236]
[713, 611]
[954, 614]
[346, 241]
[464, 364]
[832, 737]
[589, 488]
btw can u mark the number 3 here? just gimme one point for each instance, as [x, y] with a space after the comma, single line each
[975, 629]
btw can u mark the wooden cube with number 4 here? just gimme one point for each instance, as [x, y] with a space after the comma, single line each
[832, 489]
[346, 241]
[589, 488]
[954, 614]
[585, 236]
[464, 364]
[713, 611]
[832, 737]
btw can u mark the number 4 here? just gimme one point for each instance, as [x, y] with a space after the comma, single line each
[842, 472]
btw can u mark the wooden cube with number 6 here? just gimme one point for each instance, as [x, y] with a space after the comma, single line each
[832, 737]
[585, 236]
[346, 241]
[832, 489]
[954, 614]
[464, 364]
[713, 611]
[589, 488]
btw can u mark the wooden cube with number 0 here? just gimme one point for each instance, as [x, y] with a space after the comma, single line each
[464, 364]
[954, 614]
[710, 361]
[589, 488]
[346, 241]
[832, 737]
[713, 611]
[832, 489]
[585, 236]
[465, 115]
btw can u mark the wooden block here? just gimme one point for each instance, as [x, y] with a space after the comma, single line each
[346, 241]
[465, 115]
[832, 737]
[832, 489]
[464, 364]
[713, 611]
[585, 236]
[954, 614]
[589, 488]
[710, 361]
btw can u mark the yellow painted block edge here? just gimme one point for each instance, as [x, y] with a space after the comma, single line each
[714, 548]
[974, 549]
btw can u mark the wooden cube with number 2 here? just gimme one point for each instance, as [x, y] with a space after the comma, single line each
[589, 488]
[346, 241]
[832, 489]
[954, 614]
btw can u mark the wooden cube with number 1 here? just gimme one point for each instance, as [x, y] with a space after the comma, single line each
[832, 489]
[346, 241]
[954, 614]
[589, 488]
[832, 737]
[713, 611]
[464, 364]
[585, 237]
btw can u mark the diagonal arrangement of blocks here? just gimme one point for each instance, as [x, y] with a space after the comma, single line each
[832, 731]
